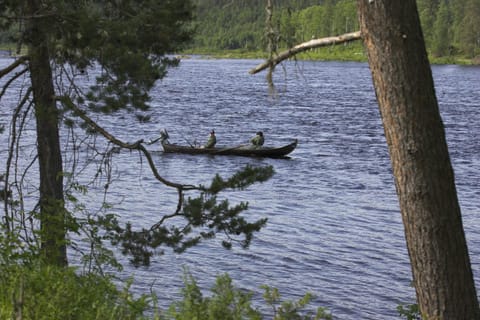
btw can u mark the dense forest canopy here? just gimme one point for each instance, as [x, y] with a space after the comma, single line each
[449, 27]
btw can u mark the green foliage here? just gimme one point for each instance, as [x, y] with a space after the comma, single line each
[129, 39]
[39, 292]
[126, 46]
[468, 29]
[242, 179]
[409, 312]
[449, 27]
[292, 310]
[233, 25]
[14, 250]
[441, 27]
[226, 302]
[230, 303]
[203, 217]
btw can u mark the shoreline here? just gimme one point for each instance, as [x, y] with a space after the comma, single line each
[322, 54]
[352, 53]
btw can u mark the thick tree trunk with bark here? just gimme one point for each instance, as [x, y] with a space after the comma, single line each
[52, 210]
[421, 165]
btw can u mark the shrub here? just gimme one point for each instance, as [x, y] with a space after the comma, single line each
[230, 303]
[59, 293]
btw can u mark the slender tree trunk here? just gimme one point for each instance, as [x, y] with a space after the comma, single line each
[421, 165]
[52, 211]
[271, 43]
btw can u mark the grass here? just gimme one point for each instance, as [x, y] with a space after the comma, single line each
[346, 52]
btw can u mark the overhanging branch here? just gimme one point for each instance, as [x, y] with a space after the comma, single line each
[312, 44]
[204, 216]
[130, 146]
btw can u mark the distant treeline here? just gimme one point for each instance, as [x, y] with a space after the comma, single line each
[450, 27]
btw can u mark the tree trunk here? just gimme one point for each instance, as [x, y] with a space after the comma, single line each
[421, 165]
[52, 210]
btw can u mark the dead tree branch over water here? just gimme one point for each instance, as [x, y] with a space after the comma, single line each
[305, 46]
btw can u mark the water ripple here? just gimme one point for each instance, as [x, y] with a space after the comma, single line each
[334, 226]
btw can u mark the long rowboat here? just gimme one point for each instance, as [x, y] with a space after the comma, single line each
[242, 150]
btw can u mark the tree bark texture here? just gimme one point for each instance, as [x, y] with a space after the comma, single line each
[421, 165]
[52, 210]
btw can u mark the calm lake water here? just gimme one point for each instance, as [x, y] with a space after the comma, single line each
[334, 226]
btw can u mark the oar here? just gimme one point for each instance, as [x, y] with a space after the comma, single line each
[153, 141]
[163, 135]
[189, 143]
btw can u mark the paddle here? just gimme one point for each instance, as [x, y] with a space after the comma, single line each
[190, 144]
[163, 136]
[153, 141]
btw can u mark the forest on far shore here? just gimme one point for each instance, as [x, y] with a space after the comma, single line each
[451, 28]
[237, 28]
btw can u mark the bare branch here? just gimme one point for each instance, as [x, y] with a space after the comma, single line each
[11, 67]
[130, 146]
[13, 137]
[312, 44]
[176, 213]
[9, 82]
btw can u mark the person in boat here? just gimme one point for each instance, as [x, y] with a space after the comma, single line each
[258, 140]
[212, 140]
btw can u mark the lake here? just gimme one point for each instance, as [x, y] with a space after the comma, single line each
[334, 226]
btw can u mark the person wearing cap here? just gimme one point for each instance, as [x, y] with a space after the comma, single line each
[212, 140]
[258, 140]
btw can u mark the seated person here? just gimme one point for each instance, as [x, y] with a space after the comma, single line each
[212, 140]
[258, 140]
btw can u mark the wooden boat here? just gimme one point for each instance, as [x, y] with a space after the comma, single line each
[241, 150]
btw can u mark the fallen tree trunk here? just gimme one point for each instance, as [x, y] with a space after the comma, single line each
[312, 44]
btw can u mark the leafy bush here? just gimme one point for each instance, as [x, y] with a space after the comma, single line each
[292, 310]
[46, 292]
[226, 303]
[59, 293]
[230, 303]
